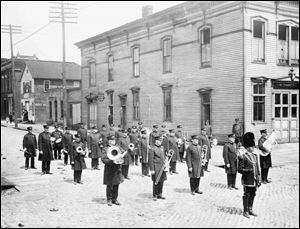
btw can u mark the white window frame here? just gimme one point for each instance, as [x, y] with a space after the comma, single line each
[208, 60]
[259, 43]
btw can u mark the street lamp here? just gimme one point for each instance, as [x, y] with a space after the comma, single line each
[292, 75]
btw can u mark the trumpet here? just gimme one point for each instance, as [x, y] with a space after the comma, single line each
[114, 153]
[80, 150]
[100, 143]
[204, 152]
[131, 146]
[165, 167]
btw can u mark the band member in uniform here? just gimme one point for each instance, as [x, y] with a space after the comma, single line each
[170, 143]
[123, 144]
[143, 148]
[157, 159]
[203, 140]
[94, 148]
[140, 127]
[79, 152]
[248, 166]
[265, 161]
[194, 164]
[29, 147]
[134, 139]
[112, 175]
[45, 150]
[230, 160]
[82, 131]
[112, 130]
[67, 140]
[237, 130]
[163, 130]
[153, 134]
[104, 135]
[181, 147]
[57, 147]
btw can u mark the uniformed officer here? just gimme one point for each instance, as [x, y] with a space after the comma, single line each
[157, 159]
[170, 143]
[140, 127]
[203, 140]
[143, 148]
[181, 147]
[230, 160]
[67, 140]
[45, 150]
[248, 166]
[29, 147]
[82, 131]
[57, 147]
[134, 139]
[112, 175]
[123, 144]
[79, 152]
[104, 135]
[194, 164]
[237, 130]
[153, 134]
[163, 130]
[265, 161]
[94, 148]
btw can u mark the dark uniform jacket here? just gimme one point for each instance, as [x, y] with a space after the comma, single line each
[203, 140]
[112, 172]
[179, 134]
[83, 133]
[265, 161]
[67, 142]
[134, 138]
[79, 163]
[30, 143]
[249, 168]
[44, 145]
[152, 137]
[156, 161]
[93, 146]
[143, 149]
[57, 134]
[171, 143]
[123, 143]
[230, 157]
[194, 161]
[104, 135]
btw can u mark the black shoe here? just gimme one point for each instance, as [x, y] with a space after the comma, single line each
[33, 168]
[207, 171]
[246, 214]
[229, 187]
[235, 187]
[116, 202]
[43, 173]
[80, 182]
[199, 192]
[252, 213]
[49, 173]
[127, 178]
[193, 193]
[26, 168]
[109, 203]
[268, 181]
[161, 197]
[154, 198]
[264, 182]
[176, 172]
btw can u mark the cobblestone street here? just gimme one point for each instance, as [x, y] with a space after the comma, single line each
[54, 201]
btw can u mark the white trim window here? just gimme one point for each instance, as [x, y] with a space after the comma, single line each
[258, 41]
[110, 60]
[92, 73]
[76, 83]
[283, 44]
[295, 45]
[167, 54]
[258, 100]
[136, 61]
[47, 85]
[93, 113]
[205, 46]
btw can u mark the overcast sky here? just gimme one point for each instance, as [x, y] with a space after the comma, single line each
[93, 19]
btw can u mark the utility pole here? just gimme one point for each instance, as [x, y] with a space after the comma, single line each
[63, 12]
[13, 29]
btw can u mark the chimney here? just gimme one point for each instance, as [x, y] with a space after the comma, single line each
[146, 11]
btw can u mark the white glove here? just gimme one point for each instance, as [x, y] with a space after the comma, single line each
[228, 165]
[190, 169]
[152, 172]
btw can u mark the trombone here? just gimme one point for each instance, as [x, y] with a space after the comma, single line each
[165, 167]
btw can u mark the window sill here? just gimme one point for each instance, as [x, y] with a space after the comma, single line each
[258, 62]
[205, 66]
[258, 123]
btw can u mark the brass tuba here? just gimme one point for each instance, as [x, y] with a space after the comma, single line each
[166, 166]
[204, 153]
[114, 153]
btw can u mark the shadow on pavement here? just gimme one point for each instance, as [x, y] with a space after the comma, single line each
[218, 185]
[230, 210]
[145, 195]
[182, 190]
[68, 180]
[99, 200]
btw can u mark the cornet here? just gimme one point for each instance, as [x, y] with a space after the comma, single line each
[131, 146]
[80, 150]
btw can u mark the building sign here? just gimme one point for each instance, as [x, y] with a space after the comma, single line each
[285, 85]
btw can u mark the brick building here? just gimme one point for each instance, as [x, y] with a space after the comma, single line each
[198, 61]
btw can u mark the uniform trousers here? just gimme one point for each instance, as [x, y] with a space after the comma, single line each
[125, 169]
[66, 156]
[95, 162]
[27, 162]
[194, 184]
[112, 192]
[46, 166]
[181, 156]
[264, 173]
[57, 151]
[173, 166]
[231, 179]
[158, 189]
[77, 176]
[145, 169]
